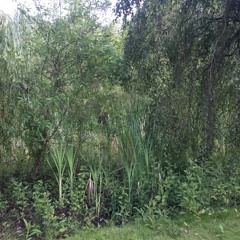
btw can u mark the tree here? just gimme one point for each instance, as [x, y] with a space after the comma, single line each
[9, 40]
[64, 58]
[185, 53]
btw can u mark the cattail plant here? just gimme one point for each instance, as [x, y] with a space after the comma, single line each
[137, 154]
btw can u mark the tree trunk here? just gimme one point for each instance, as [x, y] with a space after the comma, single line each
[209, 113]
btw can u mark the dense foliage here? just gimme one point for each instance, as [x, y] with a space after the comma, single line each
[101, 125]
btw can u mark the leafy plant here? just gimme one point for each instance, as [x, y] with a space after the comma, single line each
[191, 189]
[78, 198]
[44, 209]
[3, 203]
[18, 193]
[31, 230]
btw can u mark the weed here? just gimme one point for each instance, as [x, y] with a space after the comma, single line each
[31, 230]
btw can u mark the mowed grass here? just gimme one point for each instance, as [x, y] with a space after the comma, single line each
[220, 225]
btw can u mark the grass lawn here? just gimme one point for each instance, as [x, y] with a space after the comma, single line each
[220, 225]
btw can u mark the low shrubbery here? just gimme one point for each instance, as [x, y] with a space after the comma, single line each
[98, 186]
[95, 196]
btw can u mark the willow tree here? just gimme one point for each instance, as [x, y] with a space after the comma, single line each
[185, 53]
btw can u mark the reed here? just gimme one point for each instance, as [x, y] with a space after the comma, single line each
[136, 149]
[58, 162]
[97, 175]
[71, 163]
